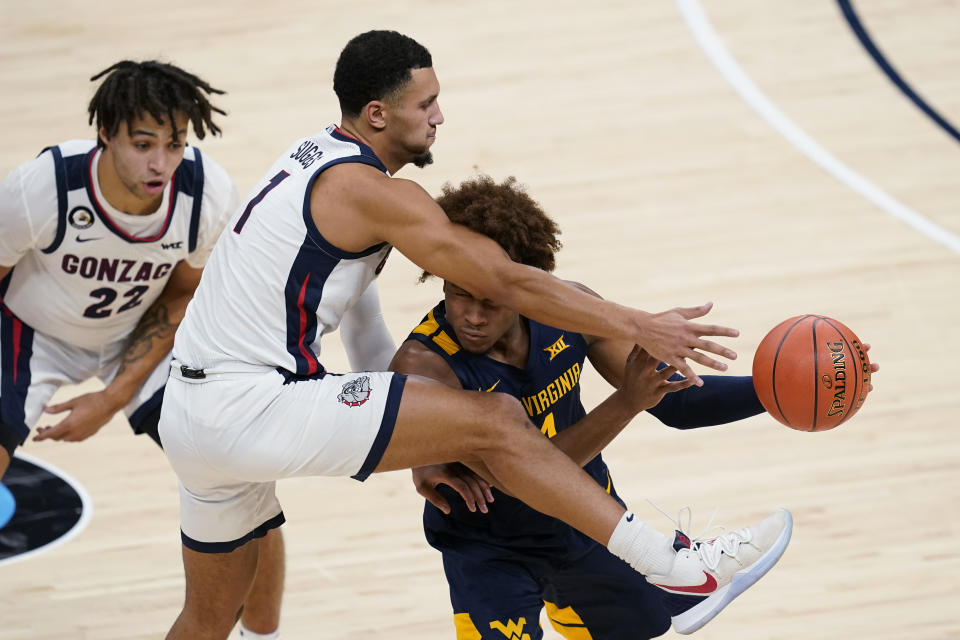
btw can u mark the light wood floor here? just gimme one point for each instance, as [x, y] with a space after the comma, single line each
[671, 191]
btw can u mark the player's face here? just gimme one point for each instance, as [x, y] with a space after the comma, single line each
[139, 161]
[479, 324]
[414, 116]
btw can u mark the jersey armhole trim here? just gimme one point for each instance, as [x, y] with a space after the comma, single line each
[314, 234]
[60, 173]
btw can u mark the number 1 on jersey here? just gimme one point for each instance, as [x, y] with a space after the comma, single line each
[274, 181]
[549, 427]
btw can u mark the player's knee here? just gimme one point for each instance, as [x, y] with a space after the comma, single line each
[502, 418]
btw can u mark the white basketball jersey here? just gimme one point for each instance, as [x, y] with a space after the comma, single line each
[274, 285]
[85, 272]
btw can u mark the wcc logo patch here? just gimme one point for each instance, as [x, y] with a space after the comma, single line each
[355, 392]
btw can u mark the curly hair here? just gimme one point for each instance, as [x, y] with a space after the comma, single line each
[132, 89]
[505, 213]
[375, 66]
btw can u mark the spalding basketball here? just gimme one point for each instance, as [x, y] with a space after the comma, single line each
[811, 373]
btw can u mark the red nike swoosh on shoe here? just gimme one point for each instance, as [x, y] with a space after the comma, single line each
[709, 586]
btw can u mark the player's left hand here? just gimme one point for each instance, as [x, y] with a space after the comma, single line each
[88, 413]
[471, 487]
[643, 384]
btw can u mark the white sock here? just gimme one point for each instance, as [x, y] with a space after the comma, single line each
[643, 548]
[246, 634]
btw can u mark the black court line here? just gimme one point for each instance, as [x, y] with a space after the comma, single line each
[851, 15]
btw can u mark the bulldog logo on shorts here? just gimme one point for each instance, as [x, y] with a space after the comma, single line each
[355, 392]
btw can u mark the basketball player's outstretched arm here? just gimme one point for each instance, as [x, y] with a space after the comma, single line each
[402, 213]
[150, 342]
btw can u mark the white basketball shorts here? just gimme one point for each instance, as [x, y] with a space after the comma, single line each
[34, 365]
[230, 436]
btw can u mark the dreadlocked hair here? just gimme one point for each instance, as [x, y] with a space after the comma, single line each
[132, 89]
[506, 214]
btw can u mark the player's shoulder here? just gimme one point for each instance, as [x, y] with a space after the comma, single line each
[213, 171]
[47, 157]
[219, 189]
[415, 357]
[392, 201]
[356, 172]
[361, 187]
[75, 147]
[36, 179]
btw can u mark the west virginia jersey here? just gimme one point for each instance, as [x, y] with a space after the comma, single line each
[549, 389]
[86, 272]
[505, 566]
[239, 318]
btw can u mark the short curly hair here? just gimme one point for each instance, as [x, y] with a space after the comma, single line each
[505, 213]
[374, 66]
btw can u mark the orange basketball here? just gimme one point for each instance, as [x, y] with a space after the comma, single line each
[811, 373]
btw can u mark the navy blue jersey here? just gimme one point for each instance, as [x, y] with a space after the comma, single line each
[549, 389]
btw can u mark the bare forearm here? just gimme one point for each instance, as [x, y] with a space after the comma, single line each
[148, 345]
[588, 437]
[551, 301]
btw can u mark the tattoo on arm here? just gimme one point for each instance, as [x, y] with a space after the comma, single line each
[154, 325]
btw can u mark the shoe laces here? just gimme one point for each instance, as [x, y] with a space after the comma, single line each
[710, 550]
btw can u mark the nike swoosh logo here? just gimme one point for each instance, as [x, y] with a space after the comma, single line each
[630, 518]
[709, 586]
[79, 239]
[493, 387]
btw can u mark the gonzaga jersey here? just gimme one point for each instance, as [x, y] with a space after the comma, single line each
[85, 272]
[549, 389]
[274, 285]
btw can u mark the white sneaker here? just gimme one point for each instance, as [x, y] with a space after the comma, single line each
[708, 574]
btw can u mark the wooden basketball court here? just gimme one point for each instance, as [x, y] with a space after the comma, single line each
[672, 189]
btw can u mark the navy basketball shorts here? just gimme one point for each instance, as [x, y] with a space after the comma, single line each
[499, 594]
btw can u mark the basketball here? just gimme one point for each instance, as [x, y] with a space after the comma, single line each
[811, 373]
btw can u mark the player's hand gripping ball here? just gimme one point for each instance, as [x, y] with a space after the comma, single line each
[811, 373]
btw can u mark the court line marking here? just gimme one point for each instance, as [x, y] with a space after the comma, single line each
[85, 514]
[856, 25]
[711, 45]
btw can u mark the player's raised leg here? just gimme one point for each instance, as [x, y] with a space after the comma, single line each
[436, 423]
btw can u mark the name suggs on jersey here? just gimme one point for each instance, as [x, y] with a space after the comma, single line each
[307, 153]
